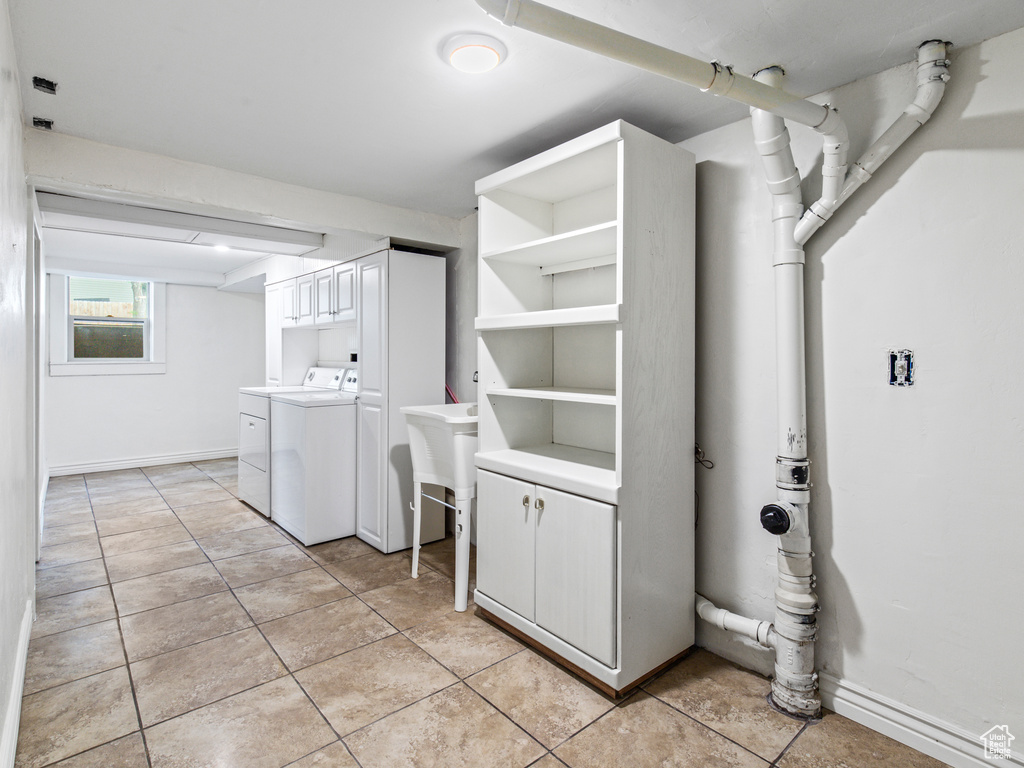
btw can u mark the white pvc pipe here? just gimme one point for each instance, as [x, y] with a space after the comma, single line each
[794, 687]
[759, 631]
[558, 25]
[932, 76]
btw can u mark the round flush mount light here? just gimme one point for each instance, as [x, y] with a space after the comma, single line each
[474, 53]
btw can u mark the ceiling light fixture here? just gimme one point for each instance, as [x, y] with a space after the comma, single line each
[474, 53]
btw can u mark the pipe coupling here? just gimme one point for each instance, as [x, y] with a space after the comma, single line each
[794, 563]
[792, 474]
[721, 81]
[801, 702]
[511, 13]
[796, 600]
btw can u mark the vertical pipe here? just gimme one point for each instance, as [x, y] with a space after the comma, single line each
[795, 685]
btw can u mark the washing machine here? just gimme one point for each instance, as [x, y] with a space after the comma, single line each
[313, 462]
[254, 433]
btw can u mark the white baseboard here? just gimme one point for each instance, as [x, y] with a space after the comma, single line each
[944, 741]
[144, 461]
[12, 717]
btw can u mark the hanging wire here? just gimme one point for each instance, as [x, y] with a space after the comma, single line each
[700, 458]
[704, 461]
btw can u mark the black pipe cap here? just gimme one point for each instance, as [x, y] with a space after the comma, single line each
[775, 519]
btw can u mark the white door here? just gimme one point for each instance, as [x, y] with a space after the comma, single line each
[575, 552]
[370, 476]
[505, 535]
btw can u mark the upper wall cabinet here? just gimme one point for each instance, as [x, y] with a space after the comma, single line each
[334, 294]
[318, 298]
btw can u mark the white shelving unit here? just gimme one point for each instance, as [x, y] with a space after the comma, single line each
[586, 343]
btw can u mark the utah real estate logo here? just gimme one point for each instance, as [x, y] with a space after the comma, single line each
[997, 742]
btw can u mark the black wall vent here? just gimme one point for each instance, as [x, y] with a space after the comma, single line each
[44, 85]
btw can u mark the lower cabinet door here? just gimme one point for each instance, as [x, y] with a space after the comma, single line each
[505, 541]
[370, 500]
[575, 572]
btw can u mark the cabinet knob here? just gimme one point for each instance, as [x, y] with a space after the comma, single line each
[526, 500]
[539, 504]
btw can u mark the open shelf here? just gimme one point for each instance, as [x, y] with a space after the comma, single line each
[551, 318]
[564, 394]
[563, 467]
[580, 249]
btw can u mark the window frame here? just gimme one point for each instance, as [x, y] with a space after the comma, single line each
[62, 360]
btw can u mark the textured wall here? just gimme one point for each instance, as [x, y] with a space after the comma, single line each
[17, 540]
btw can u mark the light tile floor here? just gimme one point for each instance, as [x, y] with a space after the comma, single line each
[176, 627]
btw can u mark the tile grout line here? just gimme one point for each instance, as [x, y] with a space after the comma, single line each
[256, 626]
[124, 650]
[670, 705]
[317, 564]
[792, 741]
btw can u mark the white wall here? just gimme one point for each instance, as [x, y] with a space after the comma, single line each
[461, 274]
[917, 501]
[215, 344]
[17, 526]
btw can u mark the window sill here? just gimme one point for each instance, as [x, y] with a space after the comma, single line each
[107, 369]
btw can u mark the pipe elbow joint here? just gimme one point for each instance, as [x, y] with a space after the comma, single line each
[504, 11]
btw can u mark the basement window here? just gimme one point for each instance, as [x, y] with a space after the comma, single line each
[108, 319]
[103, 326]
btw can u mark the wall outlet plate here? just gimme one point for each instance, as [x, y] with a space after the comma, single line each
[901, 368]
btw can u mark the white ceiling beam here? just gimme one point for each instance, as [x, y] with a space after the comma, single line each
[57, 162]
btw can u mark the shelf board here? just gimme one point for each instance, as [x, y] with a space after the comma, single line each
[594, 315]
[586, 163]
[566, 394]
[562, 467]
[579, 249]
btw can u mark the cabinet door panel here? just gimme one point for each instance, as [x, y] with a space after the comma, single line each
[369, 483]
[344, 294]
[288, 315]
[505, 542]
[372, 327]
[575, 552]
[304, 300]
[323, 308]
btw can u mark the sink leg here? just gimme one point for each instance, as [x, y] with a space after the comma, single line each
[417, 516]
[463, 514]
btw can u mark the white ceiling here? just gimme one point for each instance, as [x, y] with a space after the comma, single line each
[353, 97]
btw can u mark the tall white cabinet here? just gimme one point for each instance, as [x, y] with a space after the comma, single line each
[394, 303]
[586, 353]
[401, 331]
